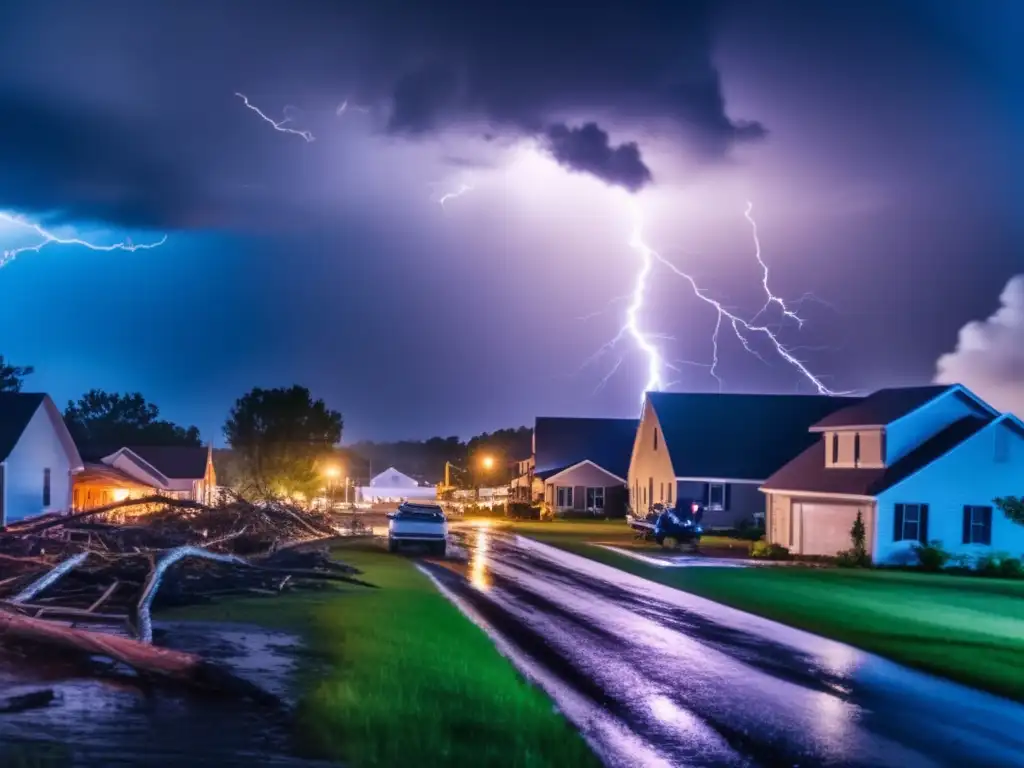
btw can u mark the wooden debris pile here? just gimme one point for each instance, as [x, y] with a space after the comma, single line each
[82, 569]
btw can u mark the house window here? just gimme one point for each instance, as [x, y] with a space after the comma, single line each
[835, 447]
[655, 438]
[911, 522]
[977, 525]
[564, 496]
[716, 496]
[856, 449]
[46, 487]
[595, 498]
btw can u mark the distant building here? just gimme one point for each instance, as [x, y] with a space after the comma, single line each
[37, 457]
[392, 485]
[179, 471]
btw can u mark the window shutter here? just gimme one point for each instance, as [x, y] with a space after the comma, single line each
[923, 527]
[897, 520]
[578, 500]
[988, 524]
[967, 524]
[728, 497]
[707, 495]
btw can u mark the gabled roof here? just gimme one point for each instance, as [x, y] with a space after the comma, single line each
[888, 405]
[16, 411]
[554, 473]
[562, 442]
[737, 437]
[101, 473]
[175, 462]
[808, 473]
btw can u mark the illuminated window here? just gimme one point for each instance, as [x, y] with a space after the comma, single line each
[716, 496]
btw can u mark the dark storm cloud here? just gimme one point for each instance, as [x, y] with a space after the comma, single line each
[587, 149]
[141, 125]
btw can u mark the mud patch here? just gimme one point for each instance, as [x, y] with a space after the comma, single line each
[103, 715]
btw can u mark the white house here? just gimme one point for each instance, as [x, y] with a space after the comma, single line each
[392, 485]
[37, 457]
[920, 464]
[182, 471]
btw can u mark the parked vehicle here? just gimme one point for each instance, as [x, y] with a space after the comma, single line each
[418, 525]
[680, 525]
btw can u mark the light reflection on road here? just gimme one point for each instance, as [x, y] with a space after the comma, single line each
[655, 676]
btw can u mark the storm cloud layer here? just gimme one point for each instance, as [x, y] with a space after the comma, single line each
[124, 111]
[989, 355]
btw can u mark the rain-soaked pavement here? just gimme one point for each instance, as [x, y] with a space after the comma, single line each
[657, 677]
[112, 719]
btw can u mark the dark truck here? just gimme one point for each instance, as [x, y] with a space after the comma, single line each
[680, 524]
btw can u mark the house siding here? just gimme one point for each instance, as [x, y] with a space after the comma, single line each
[649, 467]
[906, 434]
[744, 501]
[579, 479]
[38, 448]
[969, 474]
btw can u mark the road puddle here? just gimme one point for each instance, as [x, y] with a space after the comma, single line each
[103, 715]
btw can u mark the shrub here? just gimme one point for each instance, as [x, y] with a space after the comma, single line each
[748, 531]
[931, 556]
[1000, 565]
[853, 558]
[545, 513]
[762, 549]
[522, 510]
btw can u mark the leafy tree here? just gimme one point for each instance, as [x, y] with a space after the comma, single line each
[111, 420]
[1012, 507]
[12, 376]
[281, 437]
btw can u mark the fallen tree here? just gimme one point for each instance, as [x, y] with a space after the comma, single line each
[114, 564]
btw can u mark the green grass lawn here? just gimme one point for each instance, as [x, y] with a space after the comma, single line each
[398, 676]
[965, 628]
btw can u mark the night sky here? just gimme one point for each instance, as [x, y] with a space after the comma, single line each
[880, 146]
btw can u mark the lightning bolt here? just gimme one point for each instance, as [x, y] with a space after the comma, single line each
[740, 327]
[463, 189]
[345, 107]
[278, 125]
[49, 238]
[771, 297]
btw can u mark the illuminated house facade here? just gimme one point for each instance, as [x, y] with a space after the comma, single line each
[184, 472]
[920, 464]
[37, 457]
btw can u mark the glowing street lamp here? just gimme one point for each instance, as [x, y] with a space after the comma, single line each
[487, 461]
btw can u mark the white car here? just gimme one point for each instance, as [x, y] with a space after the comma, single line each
[421, 525]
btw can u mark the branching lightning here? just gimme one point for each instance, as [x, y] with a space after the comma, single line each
[49, 238]
[345, 107]
[278, 125]
[740, 327]
[771, 298]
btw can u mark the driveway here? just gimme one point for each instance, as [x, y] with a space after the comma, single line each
[654, 676]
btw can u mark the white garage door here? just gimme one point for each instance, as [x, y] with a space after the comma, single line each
[825, 528]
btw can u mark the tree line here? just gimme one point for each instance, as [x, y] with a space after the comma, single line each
[282, 441]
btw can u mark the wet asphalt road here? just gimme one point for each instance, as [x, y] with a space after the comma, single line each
[653, 676]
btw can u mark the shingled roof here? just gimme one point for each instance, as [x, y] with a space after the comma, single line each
[16, 411]
[808, 473]
[562, 442]
[886, 406]
[738, 437]
[175, 462]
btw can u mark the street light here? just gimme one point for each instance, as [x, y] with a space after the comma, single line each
[487, 461]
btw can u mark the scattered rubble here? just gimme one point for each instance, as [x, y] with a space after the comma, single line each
[111, 565]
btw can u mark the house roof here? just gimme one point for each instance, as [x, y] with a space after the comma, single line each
[562, 442]
[808, 473]
[883, 407]
[16, 411]
[737, 437]
[545, 474]
[175, 462]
